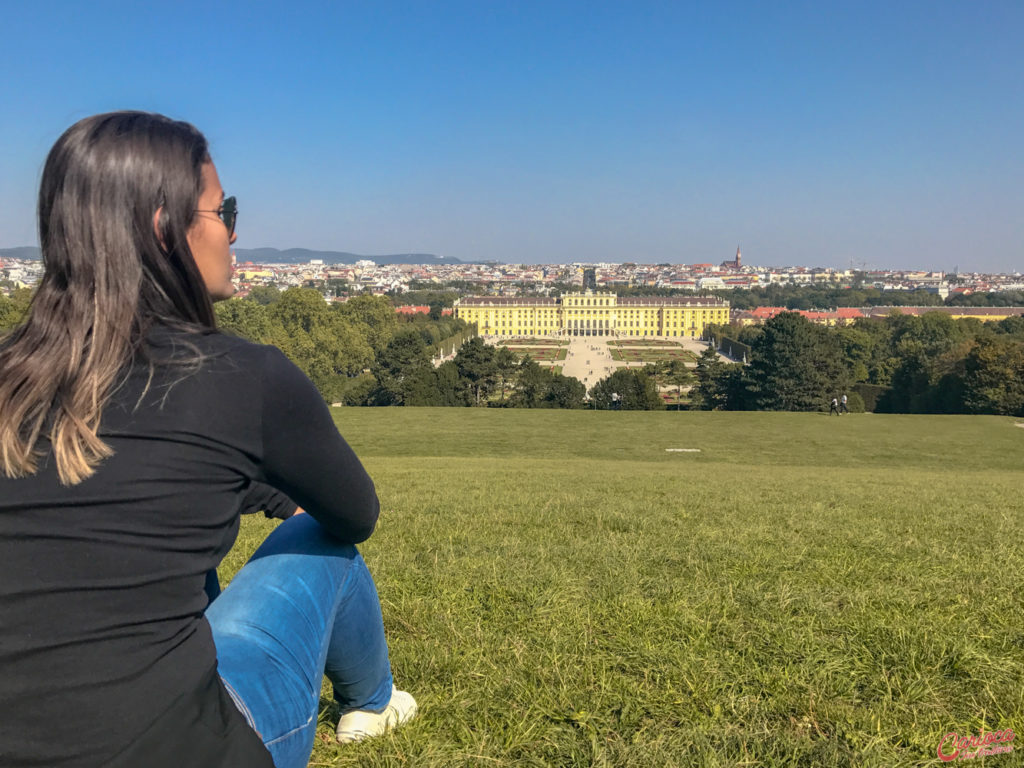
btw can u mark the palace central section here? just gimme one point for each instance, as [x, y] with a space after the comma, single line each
[593, 314]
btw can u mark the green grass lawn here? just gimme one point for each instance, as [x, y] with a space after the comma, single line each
[560, 589]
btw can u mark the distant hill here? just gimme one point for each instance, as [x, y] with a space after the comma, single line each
[25, 252]
[303, 255]
[289, 256]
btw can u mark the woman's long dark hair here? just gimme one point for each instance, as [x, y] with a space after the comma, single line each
[108, 277]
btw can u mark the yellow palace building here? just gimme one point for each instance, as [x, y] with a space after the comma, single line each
[593, 314]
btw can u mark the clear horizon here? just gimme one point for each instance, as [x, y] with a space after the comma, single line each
[850, 134]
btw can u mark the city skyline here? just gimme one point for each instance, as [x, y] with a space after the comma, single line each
[305, 256]
[849, 134]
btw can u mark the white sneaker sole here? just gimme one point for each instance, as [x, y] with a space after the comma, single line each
[360, 724]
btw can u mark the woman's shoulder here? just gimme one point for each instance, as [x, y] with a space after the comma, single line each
[175, 343]
[209, 358]
[263, 361]
[229, 344]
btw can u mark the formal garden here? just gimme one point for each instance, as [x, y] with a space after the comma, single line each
[643, 343]
[542, 352]
[534, 342]
[653, 354]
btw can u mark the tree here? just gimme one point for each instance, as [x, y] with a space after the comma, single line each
[14, 309]
[858, 348]
[994, 377]
[532, 385]
[636, 391]
[505, 363]
[796, 366]
[720, 385]
[911, 380]
[359, 390]
[452, 389]
[1014, 326]
[680, 375]
[882, 360]
[250, 320]
[376, 313]
[326, 345]
[404, 372]
[264, 294]
[476, 363]
[706, 395]
[420, 387]
[565, 392]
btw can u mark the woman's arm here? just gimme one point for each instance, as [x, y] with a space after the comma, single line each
[306, 458]
[271, 502]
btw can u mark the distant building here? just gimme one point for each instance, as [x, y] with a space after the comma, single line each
[735, 263]
[593, 314]
[708, 283]
[589, 279]
[942, 289]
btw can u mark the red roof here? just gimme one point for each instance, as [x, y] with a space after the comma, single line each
[766, 312]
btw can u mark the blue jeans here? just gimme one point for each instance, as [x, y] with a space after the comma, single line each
[303, 606]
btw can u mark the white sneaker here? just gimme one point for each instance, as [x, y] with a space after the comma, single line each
[361, 724]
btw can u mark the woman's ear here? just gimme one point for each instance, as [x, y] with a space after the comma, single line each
[156, 227]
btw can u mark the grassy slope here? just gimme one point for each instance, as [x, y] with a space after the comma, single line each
[561, 590]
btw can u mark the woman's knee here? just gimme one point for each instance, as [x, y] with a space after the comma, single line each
[303, 535]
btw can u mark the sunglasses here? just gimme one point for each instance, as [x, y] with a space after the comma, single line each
[228, 213]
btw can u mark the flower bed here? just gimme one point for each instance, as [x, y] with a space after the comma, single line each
[533, 343]
[643, 342]
[653, 355]
[545, 353]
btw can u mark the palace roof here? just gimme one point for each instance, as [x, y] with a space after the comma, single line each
[506, 301]
[675, 301]
[631, 301]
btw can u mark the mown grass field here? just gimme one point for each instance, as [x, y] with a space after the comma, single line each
[560, 589]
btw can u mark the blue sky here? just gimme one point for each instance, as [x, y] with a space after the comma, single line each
[819, 133]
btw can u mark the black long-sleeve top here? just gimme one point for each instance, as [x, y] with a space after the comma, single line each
[103, 643]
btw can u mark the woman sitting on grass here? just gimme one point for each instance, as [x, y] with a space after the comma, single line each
[132, 435]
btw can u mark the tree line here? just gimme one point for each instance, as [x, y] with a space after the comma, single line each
[929, 363]
[361, 352]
